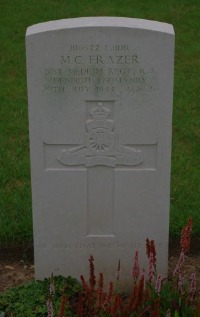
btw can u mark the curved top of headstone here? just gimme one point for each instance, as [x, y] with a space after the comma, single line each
[100, 22]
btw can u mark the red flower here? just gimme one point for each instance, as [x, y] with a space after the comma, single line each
[156, 311]
[153, 251]
[108, 297]
[193, 286]
[140, 291]
[52, 288]
[136, 267]
[92, 275]
[117, 304]
[151, 263]
[158, 283]
[62, 306]
[186, 235]
[150, 249]
[100, 291]
[49, 308]
[84, 284]
[118, 271]
[80, 305]
[133, 297]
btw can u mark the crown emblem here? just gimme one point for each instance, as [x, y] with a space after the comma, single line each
[99, 118]
[100, 112]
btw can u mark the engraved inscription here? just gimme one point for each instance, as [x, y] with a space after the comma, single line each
[99, 69]
[116, 244]
[99, 59]
[102, 144]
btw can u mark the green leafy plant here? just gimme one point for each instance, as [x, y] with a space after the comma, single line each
[29, 300]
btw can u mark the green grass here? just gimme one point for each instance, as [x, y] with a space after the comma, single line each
[15, 17]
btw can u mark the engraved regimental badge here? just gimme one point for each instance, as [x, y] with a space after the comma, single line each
[102, 146]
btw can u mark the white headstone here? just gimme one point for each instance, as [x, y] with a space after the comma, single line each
[100, 96]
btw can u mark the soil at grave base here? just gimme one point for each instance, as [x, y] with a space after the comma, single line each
[16, 263]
